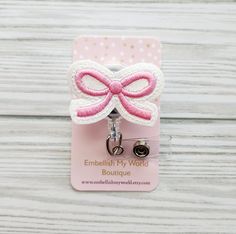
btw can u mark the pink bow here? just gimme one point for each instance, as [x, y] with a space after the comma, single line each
[115, 88]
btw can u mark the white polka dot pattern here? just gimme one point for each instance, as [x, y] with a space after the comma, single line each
[121, 50]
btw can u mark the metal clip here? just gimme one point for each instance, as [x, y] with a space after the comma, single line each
[141, 149]
[114, 147]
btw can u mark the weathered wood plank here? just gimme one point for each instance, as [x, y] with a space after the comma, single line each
[198, 52]
[60, 20]
[25, 140]
[197, 191]
[33, 81]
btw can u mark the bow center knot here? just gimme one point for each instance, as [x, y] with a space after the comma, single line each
[115, 87]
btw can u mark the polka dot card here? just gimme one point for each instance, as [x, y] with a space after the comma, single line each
[92, 167]
[117, 50]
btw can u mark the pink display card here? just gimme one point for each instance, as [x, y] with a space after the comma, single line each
[92, 168]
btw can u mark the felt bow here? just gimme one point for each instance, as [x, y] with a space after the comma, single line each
[97, 91]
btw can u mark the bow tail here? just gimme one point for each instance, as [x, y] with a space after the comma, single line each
[95, 108]
[134, 110]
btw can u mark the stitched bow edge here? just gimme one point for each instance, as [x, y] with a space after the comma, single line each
[82, 100]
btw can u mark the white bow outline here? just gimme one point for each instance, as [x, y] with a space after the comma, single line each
[81, 100]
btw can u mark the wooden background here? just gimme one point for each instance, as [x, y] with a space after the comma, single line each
[197, 193]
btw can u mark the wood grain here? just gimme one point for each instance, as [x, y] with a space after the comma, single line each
[197, 191]
[198, 53]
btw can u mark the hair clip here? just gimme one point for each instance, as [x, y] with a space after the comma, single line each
[115, 93]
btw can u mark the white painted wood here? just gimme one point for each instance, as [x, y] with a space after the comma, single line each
[197, 191]
[198, 52]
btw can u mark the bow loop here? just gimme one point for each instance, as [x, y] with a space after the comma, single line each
[80, 76]
[143, 89]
